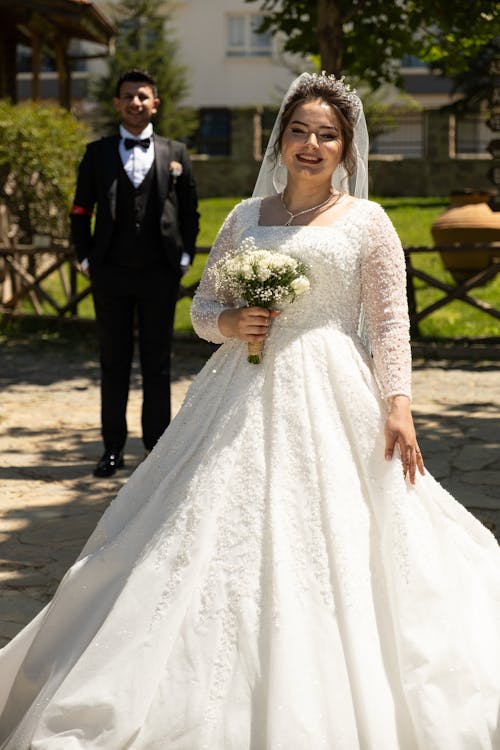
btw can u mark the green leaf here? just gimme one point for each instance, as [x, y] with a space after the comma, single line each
[40, 147]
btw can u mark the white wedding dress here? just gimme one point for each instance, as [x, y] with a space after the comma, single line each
[266, 580]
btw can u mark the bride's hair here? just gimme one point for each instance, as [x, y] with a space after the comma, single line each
[338, 95]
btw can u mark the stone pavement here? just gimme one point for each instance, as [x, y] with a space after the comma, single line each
[49, 441]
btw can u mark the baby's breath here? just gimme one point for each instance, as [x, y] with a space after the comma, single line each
[260, 277]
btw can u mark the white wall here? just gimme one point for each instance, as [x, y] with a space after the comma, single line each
[216, 79]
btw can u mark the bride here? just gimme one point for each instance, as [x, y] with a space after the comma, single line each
[280, 572]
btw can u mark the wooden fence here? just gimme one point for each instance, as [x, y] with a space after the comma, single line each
[460, 290]
[24, 269]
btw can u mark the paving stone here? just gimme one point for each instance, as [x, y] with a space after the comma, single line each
[57, 533]
[479, 478]
[473, 495]
[17, 554]
[476, 456]
[17, 606]
[438, 466]
[488, 430]
[8, 630]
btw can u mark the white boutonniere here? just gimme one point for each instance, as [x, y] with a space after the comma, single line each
[175, 170]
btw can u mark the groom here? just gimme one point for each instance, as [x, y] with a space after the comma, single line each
[143, 239]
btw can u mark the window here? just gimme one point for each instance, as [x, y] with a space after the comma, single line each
[267, 120]
[243, 39]
[24, 62]
[405, 138]
[214, 132]
[413, 63]
[472, 135]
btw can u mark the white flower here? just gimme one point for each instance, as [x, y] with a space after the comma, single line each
[175, 169]
[258, 276]
[300, 285]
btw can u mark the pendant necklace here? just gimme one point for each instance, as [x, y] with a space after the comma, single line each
[305, 210]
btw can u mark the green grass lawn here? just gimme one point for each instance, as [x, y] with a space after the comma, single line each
[412, 218]
[213, 211]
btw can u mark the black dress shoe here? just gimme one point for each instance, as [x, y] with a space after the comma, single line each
[110, 461]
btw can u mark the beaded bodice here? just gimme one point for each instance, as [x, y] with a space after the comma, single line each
[356, 267]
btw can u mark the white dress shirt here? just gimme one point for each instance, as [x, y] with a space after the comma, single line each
[137, 162]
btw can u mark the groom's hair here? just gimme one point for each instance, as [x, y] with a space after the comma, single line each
[135, 75]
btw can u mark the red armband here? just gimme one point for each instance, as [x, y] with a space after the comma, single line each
[80, 211]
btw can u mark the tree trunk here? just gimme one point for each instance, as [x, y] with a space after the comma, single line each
[330, 36]
[36, 46]
[63, 71]
[8, 42]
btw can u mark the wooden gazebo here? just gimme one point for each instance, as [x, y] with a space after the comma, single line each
[48, 26]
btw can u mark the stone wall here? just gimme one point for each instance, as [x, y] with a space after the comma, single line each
[426, 177]
[437, 173]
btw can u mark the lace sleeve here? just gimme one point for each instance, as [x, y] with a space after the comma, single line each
[206, 308]
[383, 289]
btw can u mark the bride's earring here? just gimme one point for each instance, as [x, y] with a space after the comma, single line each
[280, 175]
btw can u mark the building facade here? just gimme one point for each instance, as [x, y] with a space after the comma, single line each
[238, 77]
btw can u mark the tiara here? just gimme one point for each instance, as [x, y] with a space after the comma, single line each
[348, 100]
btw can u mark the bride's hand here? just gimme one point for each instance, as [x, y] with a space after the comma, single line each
[246, 323]
[399, 428]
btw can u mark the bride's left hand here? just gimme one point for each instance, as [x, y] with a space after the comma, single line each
[399, 428]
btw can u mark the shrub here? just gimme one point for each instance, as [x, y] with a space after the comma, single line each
[40, 147]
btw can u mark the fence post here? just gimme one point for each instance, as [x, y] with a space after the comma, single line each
[411, 296]
[73, 285]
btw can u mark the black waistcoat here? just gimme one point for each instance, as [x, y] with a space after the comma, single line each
[136, 240]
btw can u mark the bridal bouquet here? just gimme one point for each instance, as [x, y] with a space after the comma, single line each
[260, 278]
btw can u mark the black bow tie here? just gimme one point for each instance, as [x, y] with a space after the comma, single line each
[131, 142]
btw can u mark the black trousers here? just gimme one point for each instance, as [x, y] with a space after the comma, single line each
[123, 296]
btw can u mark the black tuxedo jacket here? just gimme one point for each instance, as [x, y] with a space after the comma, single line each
[97, 189]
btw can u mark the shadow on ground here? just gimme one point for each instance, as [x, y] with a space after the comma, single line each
[461, 450]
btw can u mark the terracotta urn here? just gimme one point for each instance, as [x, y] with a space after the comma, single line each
[468, 220]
